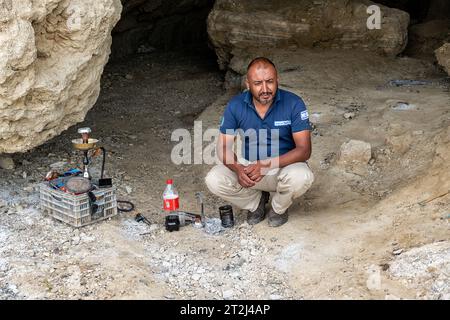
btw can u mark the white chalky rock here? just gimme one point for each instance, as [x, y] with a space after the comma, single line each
[52, 54]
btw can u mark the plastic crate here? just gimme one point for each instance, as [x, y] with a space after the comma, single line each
[77, 210]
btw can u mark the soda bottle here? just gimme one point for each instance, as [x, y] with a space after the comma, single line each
[170, 197]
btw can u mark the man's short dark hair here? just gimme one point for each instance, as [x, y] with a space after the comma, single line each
[260, 59]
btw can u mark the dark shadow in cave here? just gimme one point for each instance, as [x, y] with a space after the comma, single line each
[171, 25]
[417, 9]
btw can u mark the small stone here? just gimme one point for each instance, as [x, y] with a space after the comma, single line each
[227, 294]
[6, 163]
[372, 162]
[349, 115]
[275, 297]
[418, 132]
[76, 240]
[128, 189]
[196, 277]
[397, 252]
[201, 270]
[13, 288]
[129, 76]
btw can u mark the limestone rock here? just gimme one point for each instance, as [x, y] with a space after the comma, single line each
[354, 155]
[52, 55]
[291, 24]
[443, 56]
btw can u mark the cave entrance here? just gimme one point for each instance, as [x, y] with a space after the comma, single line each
[149, 25]
[160, 77]
[417, 9]
[429, 25]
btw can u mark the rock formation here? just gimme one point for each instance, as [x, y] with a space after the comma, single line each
[289, 24]
[52, 54]
[443, 56]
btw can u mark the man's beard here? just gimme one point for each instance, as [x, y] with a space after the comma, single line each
[265, 101]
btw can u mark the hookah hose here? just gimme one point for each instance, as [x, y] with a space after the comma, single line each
[128, 203]
[103, 161]
[129, 206]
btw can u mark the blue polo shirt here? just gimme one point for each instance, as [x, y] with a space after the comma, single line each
[271, 136]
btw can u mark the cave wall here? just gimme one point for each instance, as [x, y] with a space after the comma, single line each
[52, 55]
[239, 27]
[168, 24]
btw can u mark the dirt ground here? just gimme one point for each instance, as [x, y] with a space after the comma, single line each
[367, 235]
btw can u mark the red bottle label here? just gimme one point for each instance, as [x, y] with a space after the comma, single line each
[171, 204]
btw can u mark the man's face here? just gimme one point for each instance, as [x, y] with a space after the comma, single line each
[262, 81]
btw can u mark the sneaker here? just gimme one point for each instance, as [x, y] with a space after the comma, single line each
[260, 213]
[276, 220]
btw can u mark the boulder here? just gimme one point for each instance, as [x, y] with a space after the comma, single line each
[443, 56]
[52, 55]
[287, 24]
[354, 155]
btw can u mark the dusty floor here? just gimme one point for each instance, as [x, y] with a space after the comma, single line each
[371, 235]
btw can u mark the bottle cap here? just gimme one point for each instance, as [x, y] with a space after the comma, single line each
[169, 181]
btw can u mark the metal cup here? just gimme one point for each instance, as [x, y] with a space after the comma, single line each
[226, 216]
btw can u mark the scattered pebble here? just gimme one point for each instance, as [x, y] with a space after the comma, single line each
[349, 115]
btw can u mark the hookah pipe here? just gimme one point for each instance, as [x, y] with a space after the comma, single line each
[90, 146]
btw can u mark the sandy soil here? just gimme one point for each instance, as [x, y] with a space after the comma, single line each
[371, 235]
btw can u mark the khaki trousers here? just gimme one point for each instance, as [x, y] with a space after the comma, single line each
[288, 183]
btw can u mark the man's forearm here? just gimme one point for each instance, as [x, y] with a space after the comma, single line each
[298, 154]
[229, 159]
[232, 165]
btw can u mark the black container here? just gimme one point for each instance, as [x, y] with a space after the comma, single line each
[226, 215]
[172, 223]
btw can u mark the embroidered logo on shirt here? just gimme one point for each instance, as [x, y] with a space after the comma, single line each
[282, 123]
[304, 115]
